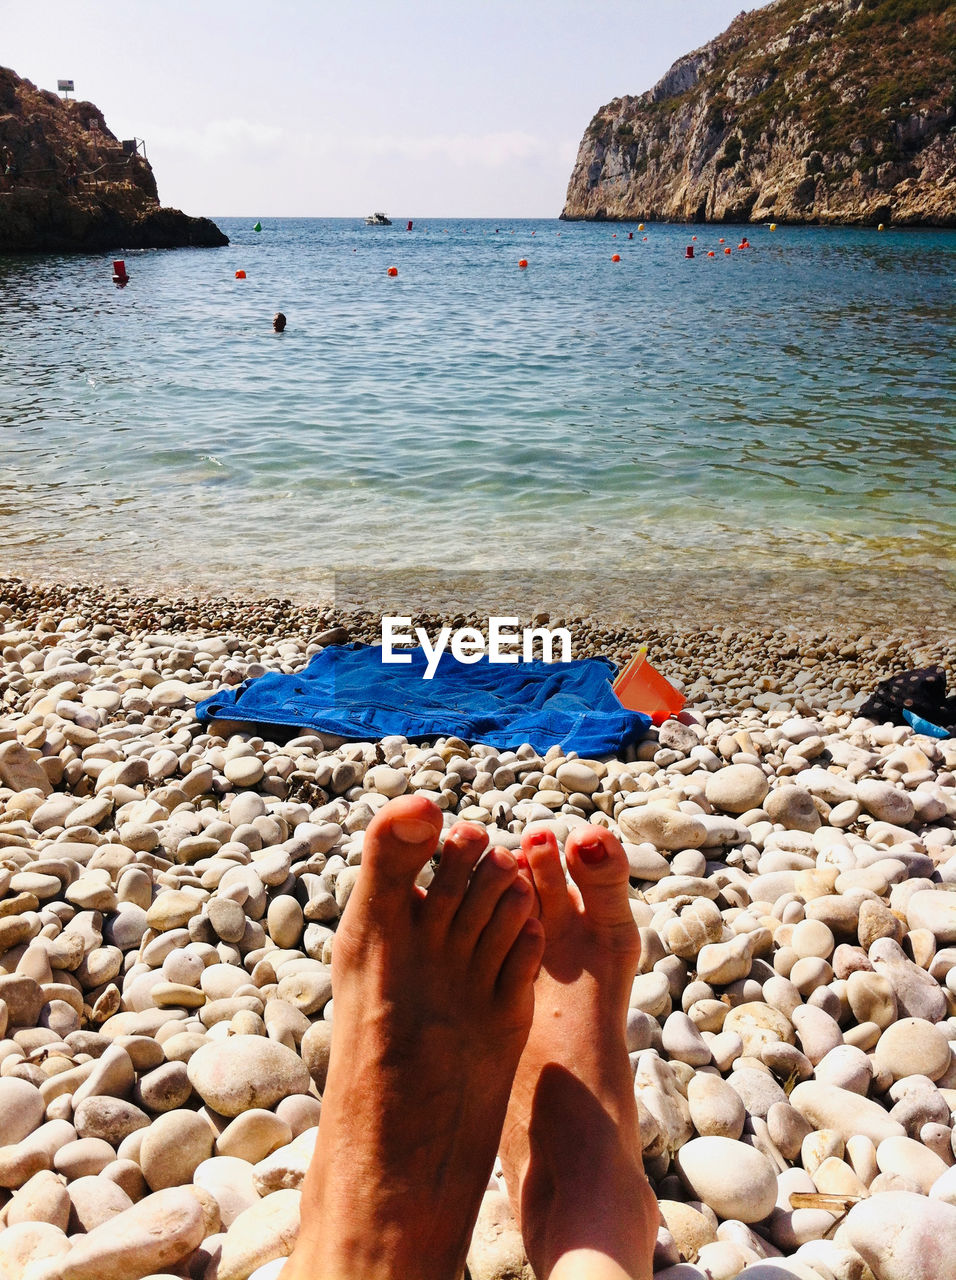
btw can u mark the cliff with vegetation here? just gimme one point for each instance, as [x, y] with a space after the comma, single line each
[805, 111]
[67, 184]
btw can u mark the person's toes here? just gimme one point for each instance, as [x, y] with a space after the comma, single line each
[520, 966]
[464, 845]
[540, 850]
[495, 873]
[524, 869]
[501, 931]
[598, 865]
[398, 842]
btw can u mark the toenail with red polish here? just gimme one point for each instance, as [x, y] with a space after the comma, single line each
[592, 851]
[538, 837]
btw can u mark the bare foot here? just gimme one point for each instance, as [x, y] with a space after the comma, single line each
[433, 1002]
[571, 1147]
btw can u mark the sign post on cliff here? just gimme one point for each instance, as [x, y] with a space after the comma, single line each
[66, 88]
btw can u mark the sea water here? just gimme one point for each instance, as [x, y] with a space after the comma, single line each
[781, 408]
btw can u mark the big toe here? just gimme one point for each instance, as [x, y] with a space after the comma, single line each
[398, 842]
[598, 865]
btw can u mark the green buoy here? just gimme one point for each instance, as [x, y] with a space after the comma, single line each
[257, 227]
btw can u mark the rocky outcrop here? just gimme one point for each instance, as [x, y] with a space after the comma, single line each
[67, 184]
[829, 111]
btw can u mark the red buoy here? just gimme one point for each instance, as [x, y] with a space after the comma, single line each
[630, 235]
[690, 251]
[615, 257]
[240, 275]
[710, 253]
[409, 227]
[522, 263]
[727, 250]
[119, 271]
[392, 271]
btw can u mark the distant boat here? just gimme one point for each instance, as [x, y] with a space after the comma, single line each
[378, 220]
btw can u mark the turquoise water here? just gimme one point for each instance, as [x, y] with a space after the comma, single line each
[788, 407]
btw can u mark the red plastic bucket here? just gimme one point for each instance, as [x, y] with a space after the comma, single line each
[640, 687]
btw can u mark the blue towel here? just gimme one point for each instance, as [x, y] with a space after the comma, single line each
[348, 690]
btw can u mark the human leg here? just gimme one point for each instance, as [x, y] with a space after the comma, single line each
[432, 1006]
[571, 1145]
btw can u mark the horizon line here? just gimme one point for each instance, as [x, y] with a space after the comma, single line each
[416, 217]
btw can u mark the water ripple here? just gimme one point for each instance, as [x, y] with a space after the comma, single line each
[791, 405]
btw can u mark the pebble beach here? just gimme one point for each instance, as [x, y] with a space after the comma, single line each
[169, 897]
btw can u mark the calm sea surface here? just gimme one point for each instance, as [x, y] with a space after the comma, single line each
[787, 408]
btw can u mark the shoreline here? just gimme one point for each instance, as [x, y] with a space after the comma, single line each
[600, 608]
[729, 665]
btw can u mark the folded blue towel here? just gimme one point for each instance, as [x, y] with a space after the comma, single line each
[348, 690]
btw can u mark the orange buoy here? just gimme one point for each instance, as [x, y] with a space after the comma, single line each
[240, 275]
[392, 271]
[522, 263]
[727, 250]
[710, 253]
[615, 257]
[644, 238]
[614, 237]
[721, 240]
[693, 237]
[640, 226]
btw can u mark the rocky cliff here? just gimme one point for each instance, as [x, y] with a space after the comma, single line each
[831, 111]
[67, 184]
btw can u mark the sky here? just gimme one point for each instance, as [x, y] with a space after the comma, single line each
[315, 108]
